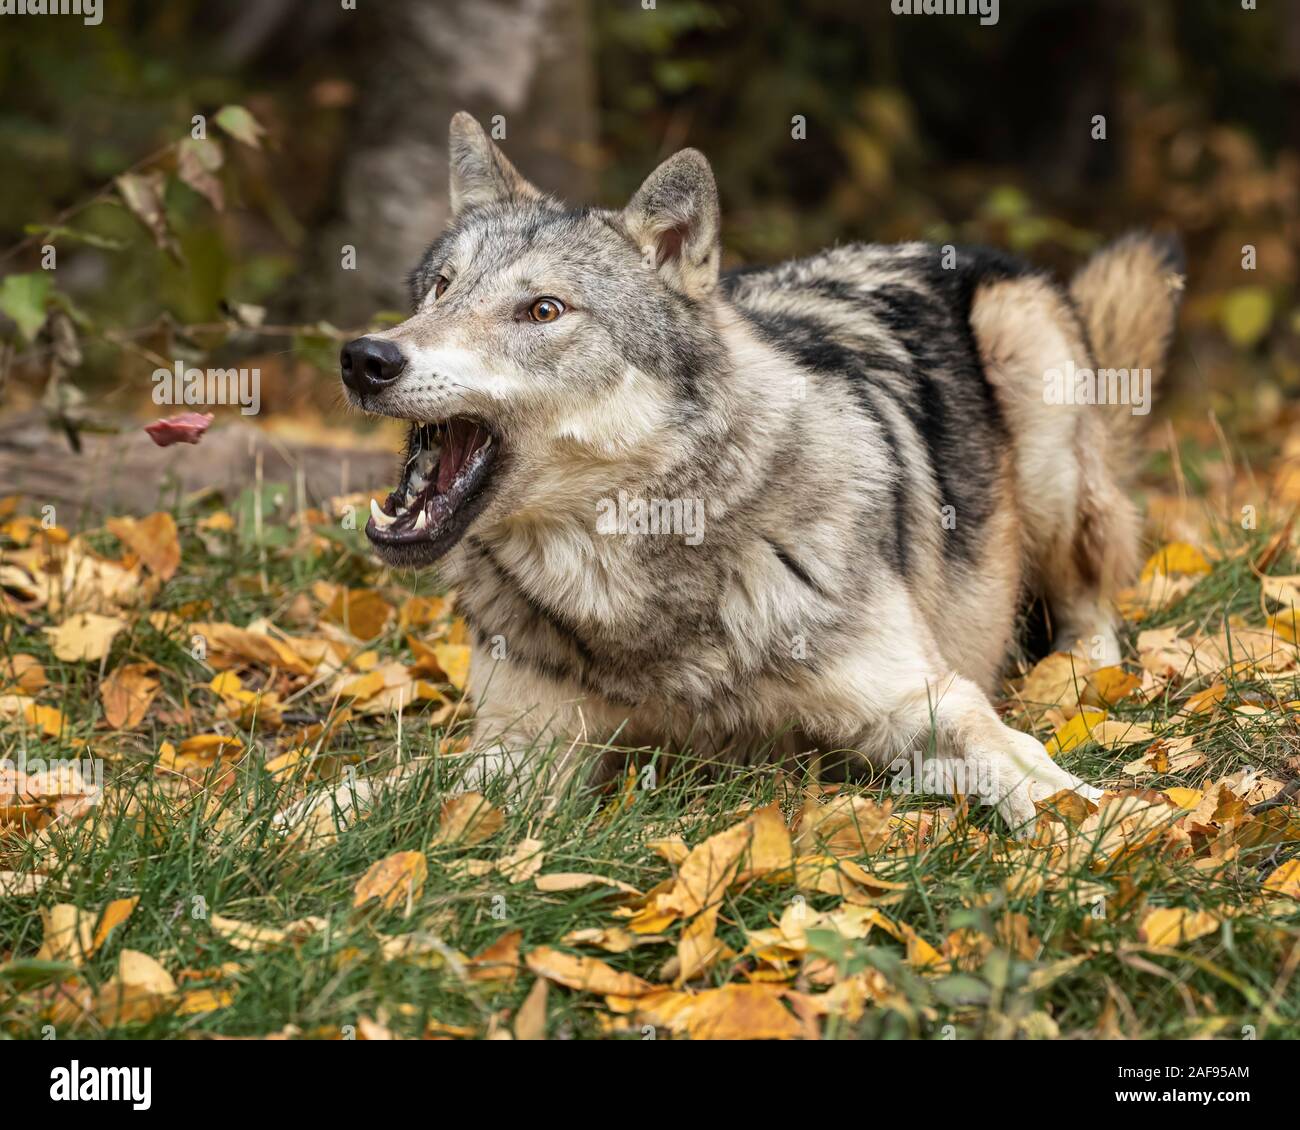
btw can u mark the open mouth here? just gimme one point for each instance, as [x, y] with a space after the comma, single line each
[441, 491]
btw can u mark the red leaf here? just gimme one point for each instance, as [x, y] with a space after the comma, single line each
[188, 427]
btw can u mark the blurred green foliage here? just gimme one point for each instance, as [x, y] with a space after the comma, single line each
[914, 127]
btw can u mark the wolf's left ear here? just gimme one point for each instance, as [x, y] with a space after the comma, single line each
[674, 220]
[480, 172]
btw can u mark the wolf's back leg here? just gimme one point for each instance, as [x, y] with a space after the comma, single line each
[894, 697]
[1079, 529]
[944, 725]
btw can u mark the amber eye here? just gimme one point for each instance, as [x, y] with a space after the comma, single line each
[545, 310]
[440, 286]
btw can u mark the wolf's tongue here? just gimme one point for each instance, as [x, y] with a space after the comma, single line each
[457, 447]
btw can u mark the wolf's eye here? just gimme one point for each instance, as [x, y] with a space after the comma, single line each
[440, 286]
[545, 310]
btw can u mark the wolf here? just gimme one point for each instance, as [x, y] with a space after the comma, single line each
[880, 484]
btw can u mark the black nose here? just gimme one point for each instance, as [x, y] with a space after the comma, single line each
[370, 363]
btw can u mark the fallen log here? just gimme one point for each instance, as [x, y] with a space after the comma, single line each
[126, 473]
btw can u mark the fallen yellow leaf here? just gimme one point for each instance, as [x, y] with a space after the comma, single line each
[1176, 558]
[114, 914]
[1075, 732]
[1285, 880]
[85, 637]
[68, 934]
[1171, 926]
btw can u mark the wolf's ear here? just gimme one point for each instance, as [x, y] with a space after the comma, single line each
[480, 172]
[674, 220]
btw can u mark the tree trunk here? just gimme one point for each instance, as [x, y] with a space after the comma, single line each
[521, 66]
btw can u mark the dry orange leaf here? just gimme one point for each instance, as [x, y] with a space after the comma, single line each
[360, 612]
[420, 611]
[1176, 558]
[141, 990]
[210, 746]
[248, 937]
[24, 672]
[468, 819]
[68, 934]
[364, 686]
[1109, 685]
[197, 1001]
[708, 871]
[153, 539]
[393, 881]
[1205, 701]
[848, 825]
[612, 939]
[733, 1012]
[127, 695]
[1075, 732]
[500, 961]
[588, 974]
[769, 846]
[530, 1020]
[672, 848]
[1056, 680]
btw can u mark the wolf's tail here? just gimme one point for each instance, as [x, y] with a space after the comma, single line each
[1128, 296]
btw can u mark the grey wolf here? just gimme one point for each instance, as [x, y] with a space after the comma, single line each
[883, 483]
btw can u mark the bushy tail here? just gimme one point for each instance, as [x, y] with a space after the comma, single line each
[1128, 295]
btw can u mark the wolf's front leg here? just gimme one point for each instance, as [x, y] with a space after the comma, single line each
[529, 732]
[516, 762]
[513, 765]
[950, 731]
[515, 747]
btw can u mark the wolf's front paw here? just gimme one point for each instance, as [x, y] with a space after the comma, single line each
[1026, 773]
[324, 813]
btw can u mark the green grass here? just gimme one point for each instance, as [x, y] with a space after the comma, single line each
[191, 852]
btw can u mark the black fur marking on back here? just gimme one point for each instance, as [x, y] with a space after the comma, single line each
[942, 388]
[958, 416]
[810, 343]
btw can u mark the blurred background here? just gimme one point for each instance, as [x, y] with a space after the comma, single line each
[200, 168]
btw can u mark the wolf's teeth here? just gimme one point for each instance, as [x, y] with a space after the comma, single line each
[421, 520]
[381, 519]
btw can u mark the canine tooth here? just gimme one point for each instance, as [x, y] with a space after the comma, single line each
[421, 520]
[381, 519]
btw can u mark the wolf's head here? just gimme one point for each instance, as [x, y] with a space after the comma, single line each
[547, 348]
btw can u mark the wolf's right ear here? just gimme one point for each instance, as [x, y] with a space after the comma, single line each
[480, 172]
[674, 219]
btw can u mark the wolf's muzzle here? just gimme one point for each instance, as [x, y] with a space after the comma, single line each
[370, 364]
